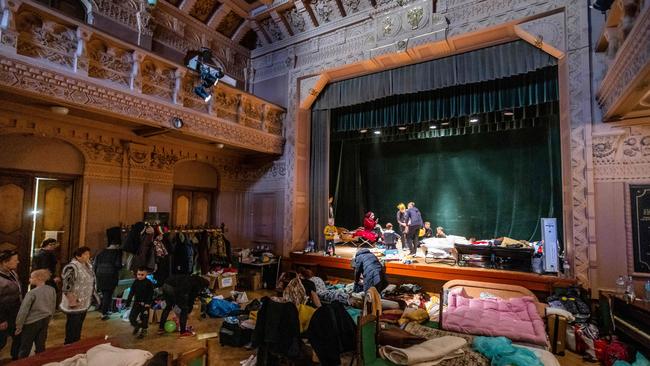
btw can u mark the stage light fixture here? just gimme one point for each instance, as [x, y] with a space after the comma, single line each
[445, 124]
[401, 128]
[363, 131]
[602, 5]
[508, 113]
[177, 122]
[433, 127]
[377, 132]
[473, 120]
[201, 92]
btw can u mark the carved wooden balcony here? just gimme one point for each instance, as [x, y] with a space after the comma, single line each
[624, 93]
[50, 57]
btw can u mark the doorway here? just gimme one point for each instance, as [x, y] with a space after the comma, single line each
[193, 207]
[36, 206]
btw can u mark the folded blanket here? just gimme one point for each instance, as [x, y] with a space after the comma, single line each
[428, 353]
[105, 354]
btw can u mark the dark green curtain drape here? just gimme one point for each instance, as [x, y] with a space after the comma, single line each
[519, 91]
[490, 63]
[319, 174]
[481, 185]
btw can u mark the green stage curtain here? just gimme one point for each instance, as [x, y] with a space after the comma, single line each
[534, 88]
[490, 63]
[319, 175]
[479, 185]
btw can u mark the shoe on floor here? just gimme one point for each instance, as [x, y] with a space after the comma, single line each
[105, 317]
[136, 330]
[186, 334]
[143, 333]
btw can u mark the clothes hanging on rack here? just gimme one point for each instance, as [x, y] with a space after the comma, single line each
[133, 239]
[203, 257]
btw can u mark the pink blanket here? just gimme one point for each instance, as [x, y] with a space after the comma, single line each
[515, 318]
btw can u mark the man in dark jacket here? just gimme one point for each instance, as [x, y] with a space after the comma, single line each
[366, 263]
[108, 264]
[181, 291]
[414, 221]
[45, 258]
[10, 299]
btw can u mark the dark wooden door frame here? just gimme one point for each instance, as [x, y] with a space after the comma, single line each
[214, 193]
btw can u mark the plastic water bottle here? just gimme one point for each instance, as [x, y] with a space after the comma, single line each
[647, 290]
[629, 290]
[620, 285]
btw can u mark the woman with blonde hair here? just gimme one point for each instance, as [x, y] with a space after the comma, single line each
[401, 221]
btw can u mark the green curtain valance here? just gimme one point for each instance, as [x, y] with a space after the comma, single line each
[490, 63]
[519, 91]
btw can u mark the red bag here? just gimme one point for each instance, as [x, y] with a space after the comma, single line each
[600, 345]
[616, 351]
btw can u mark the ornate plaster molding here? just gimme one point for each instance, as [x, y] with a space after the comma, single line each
[622, 155]
[28, 77]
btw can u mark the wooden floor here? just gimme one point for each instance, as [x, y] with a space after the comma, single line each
[219, 356]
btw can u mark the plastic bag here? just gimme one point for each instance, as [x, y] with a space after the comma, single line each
[220, 308]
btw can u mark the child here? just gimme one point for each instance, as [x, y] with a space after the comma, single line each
[428, 233]
[440, 232]
[330, 233]
[142, 291]
[35, 313]
[390, 237]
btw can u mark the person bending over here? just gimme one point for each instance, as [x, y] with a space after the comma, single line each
[181, 290]
[367, 265]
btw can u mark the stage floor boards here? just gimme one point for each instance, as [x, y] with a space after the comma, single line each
[420, 270]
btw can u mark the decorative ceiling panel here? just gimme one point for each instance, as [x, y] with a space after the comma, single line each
[295, 20]
[272, 29]
[174, 2]
[249, 40]
[229, 24]
[203, 9]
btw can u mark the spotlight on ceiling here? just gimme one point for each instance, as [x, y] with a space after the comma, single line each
[209, 72]
[60, 110]
[602, 5]
[433, 127]
[444, 124]
[177, 122]
[201, 92]
[473, 120]
[508, 113]
[220, 146]
[401, 128]
[377, 132]
[363, 131]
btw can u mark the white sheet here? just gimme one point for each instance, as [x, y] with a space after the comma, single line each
[106, 354]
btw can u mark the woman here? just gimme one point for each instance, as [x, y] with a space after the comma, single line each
[107, 271]
[78, 292]
[324, 294]
[368, 271]
[368, 231]
[10, 299]
[401, 221]
[298, 290]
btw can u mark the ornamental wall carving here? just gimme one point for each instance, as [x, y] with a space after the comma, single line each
[353, 42]
[79, 66]
[622, 155]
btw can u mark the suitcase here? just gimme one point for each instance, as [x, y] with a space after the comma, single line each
[557, 333]
[233, 335]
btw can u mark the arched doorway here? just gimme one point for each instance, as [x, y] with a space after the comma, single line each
[39, 195]
[195, 192]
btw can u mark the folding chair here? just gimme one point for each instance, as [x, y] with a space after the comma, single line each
[367, 348]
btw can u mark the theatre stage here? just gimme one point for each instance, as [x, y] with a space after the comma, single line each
[437, 273]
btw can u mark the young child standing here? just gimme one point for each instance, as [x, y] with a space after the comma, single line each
[142, 295]
[390, 237]
[35, 313]
[330, 232]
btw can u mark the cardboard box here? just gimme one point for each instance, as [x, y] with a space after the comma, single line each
[227, 280]
[255, 281]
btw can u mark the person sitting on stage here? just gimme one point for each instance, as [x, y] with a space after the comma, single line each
[390, 237]
[368, 231]
[330, 234]
[367, 266]
[428, 233]
[440, 233]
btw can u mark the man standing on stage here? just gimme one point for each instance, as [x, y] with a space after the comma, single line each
[414, 221]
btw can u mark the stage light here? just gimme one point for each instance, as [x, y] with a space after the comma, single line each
[201, 92]
[377, 132]
[363, 131]
[508, 113]
[445, 123]
[177, 122]
[433, 127]
[473, 120]
[401, 128]
[602, 5]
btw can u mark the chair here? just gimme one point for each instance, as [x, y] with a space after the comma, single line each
[195, 357]
[367, 349]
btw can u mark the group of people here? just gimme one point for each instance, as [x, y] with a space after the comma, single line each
[25, 318]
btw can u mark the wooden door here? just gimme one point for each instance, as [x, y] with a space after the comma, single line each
[264, 217]
[192, 207]
[16, 195]
[54, 213]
